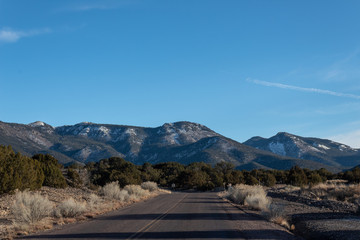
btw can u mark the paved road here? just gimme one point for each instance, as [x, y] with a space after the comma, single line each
[173, 216]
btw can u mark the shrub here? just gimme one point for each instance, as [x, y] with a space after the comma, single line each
[18, 171]
[52, 170]
[114, 169]
[151, 186]
[70, 208]
[332, 191]
[135, 191]
[257, 201]
[94, 201]
[254, 196]
[275, 214]
[112, 191]
[31, 208]
[297, 177]
[74, 178]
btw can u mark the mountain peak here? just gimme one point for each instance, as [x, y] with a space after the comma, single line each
[37, 124]
[284, 134]
[85, 123]
[40, 124]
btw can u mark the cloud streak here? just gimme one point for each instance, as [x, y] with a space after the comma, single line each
[9, 35]
[302, 89]
[350, 138]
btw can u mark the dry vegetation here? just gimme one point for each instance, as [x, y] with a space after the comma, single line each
[312, 209]
[45, 208]
[255, 198]
[334, 190]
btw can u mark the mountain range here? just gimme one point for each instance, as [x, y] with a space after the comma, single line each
[320, 150]
[183, 142]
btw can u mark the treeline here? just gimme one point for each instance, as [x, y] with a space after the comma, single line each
[203, 176]
[18, 171]
[21, 172]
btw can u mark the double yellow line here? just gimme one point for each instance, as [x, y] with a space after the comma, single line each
[148, 226]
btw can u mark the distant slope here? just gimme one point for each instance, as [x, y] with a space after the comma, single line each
[183, 142]
[320, 150]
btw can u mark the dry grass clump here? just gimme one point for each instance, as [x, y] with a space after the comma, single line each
[275, 213]
[129, 192]
[335, 191]
[112, 190]
[253, 196]
[257, 201]
[291, 188]
[136, 192]
[151, 186]
[94, 201]
[30, 208]
[70, 208]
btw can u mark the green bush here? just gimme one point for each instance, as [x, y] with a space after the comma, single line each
[114, 169]
[18, 171]
[74, 178]
[52, 171]
[297, 176]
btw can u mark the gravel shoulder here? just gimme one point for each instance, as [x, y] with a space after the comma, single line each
[317, 219]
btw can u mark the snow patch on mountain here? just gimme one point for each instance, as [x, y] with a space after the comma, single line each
[343, 147]
[36, 124]
[39, 140]
[321, 146]
[42, 126]
[226, 147]
[130, 132]
[277, 148]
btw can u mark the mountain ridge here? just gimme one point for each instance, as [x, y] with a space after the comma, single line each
[184, 142]
[311, 148]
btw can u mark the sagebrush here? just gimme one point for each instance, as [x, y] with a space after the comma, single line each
[136, 192]
[150, 186]
[253, 196]
[70, 208]
[30, 208]
[335, 191]
[112, 190]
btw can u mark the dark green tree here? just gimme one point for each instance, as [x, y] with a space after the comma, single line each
[297, 176]
[18, 171]
[52, 171]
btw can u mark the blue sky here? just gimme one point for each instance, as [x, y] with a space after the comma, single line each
[242, 68]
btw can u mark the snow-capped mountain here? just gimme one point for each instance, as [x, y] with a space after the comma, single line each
[321, 150]
[183, 142]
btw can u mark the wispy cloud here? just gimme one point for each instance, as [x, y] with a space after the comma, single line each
[350, 138]
[344, 69]
[9, 35]
[302, 89]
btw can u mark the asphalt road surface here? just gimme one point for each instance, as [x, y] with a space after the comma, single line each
[180, 215]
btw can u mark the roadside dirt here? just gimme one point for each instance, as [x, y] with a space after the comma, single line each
[315, 218]
[9, 228]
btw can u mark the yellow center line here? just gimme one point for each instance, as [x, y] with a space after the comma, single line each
[152, 223]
